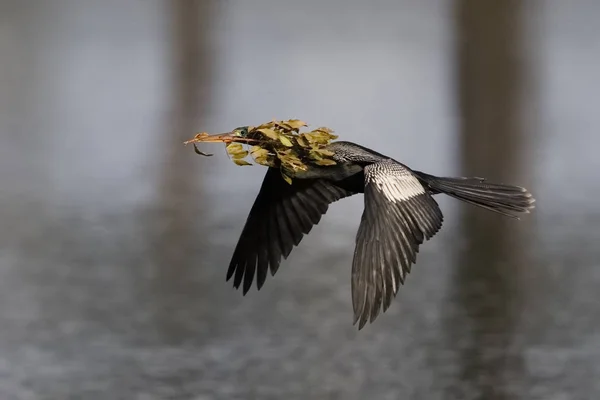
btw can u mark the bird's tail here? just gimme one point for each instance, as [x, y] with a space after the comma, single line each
[507, 200]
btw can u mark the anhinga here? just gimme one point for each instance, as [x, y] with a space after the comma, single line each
[399, 214]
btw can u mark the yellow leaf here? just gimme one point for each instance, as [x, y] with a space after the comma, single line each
[233, 148]
[295, 124]
[286, 178]
[281, 126]
[270, 133]
[258, 152]
[314, 155]
[261, 160]
[293, 164]
[265, 125]
[324, 129]
[292, 157]
[301, 140]
[280, 144]
[285, 141]
[281, 153]
[317, 137]
[241, 162]
[324, 152]
[326, 161]
[241, 154]
[266, 161]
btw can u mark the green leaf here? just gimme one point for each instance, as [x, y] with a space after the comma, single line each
[285, 141]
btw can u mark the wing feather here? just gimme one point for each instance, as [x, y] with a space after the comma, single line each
[280, 216]
[399, 215]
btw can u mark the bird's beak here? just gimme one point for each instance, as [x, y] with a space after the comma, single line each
[218, 138]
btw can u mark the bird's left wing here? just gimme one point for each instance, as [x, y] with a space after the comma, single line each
[399, 215]
[281, 215]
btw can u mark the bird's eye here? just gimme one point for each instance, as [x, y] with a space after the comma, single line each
[240, 132]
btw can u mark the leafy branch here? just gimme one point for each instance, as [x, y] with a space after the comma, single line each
[276, 144]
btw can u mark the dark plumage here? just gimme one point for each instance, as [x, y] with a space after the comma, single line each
[400, 213]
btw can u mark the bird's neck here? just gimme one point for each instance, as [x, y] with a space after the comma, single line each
[336, 172]
[352, 153]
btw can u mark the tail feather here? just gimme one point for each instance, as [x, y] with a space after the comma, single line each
[503, 199]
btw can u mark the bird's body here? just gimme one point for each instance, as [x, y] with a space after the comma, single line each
[400, 214]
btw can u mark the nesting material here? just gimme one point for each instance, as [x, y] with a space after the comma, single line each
[277, 144]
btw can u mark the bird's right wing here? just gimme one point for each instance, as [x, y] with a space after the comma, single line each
[399, 215]
[281, 215]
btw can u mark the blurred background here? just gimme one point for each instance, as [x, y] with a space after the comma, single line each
[115, 238]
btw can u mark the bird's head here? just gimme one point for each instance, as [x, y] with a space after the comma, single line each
[241, 132]
[237, 135]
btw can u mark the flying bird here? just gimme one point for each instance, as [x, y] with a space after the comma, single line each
[399, 214]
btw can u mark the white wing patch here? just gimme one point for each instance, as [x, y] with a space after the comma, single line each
[399, 215]
[395, 181]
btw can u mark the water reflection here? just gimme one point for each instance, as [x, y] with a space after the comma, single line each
[487, 280]
[173, 239]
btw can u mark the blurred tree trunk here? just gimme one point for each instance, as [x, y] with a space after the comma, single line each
[491, 69]
[180, 201]
[191, 100]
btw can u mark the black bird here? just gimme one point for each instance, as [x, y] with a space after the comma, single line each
[400, 213]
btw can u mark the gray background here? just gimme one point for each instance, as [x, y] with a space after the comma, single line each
[115, 238]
